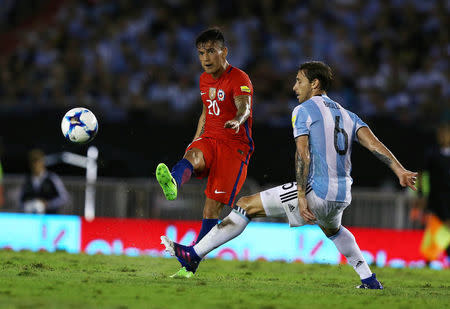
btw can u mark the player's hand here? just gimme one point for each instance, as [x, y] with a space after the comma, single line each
[408, 178]
[305, 212]
[232, 124]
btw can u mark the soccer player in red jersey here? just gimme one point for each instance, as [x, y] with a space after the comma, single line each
[223, 142]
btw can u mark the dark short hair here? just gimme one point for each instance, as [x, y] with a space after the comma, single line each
[319, 70]
[211, 34]
[36, 155]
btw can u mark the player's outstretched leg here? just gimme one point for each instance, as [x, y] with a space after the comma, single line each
[166, 181]
[370, 283]
[187, 257]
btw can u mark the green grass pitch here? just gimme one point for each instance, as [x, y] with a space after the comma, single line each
[62, 280]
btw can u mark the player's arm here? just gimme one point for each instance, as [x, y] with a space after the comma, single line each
[243, 105]
[302, 161]
[371, 142]
[201, 123]
[62, 197]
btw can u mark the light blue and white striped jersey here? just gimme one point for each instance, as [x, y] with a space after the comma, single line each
[331, 129]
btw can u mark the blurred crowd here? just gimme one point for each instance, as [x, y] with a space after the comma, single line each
[125, 57]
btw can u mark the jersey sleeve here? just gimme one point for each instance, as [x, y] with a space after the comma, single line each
[241, 84]
[358, 125]
[301, 121]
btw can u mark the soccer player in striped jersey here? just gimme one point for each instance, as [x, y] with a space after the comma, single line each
[323, 133]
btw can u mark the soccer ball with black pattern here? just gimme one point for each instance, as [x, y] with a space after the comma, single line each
[79, 125]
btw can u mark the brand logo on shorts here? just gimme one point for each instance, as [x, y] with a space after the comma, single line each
[212, 93]
[221, 95]
[218, 192]
[291, 207]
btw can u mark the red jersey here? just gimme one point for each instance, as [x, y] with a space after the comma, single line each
[218, 98]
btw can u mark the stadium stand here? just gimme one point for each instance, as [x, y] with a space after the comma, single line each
[135, 62]
[119, 56]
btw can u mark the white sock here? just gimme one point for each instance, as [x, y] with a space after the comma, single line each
[229, 228]
[346, 244]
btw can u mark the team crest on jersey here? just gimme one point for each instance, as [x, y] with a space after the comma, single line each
[212, 93]
[221, 95]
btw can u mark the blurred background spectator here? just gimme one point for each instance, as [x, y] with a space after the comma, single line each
[116, 56]
[42, 191]
[435, 177]
[135, 65]
[434, 186]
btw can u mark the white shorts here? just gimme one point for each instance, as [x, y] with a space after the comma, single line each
[282, 201]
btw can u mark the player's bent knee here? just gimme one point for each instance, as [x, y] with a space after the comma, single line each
[330, 231]
[195, 156]
[243, 202]
[252, 205]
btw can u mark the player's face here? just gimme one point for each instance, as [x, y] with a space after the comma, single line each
[37, 167]
[212, 57]
[302, 88]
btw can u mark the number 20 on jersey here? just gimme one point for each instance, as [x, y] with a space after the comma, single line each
[213, 107]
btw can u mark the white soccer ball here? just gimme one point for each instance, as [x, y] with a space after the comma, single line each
[79, 125]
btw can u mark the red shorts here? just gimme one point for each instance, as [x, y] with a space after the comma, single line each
[226, 167]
